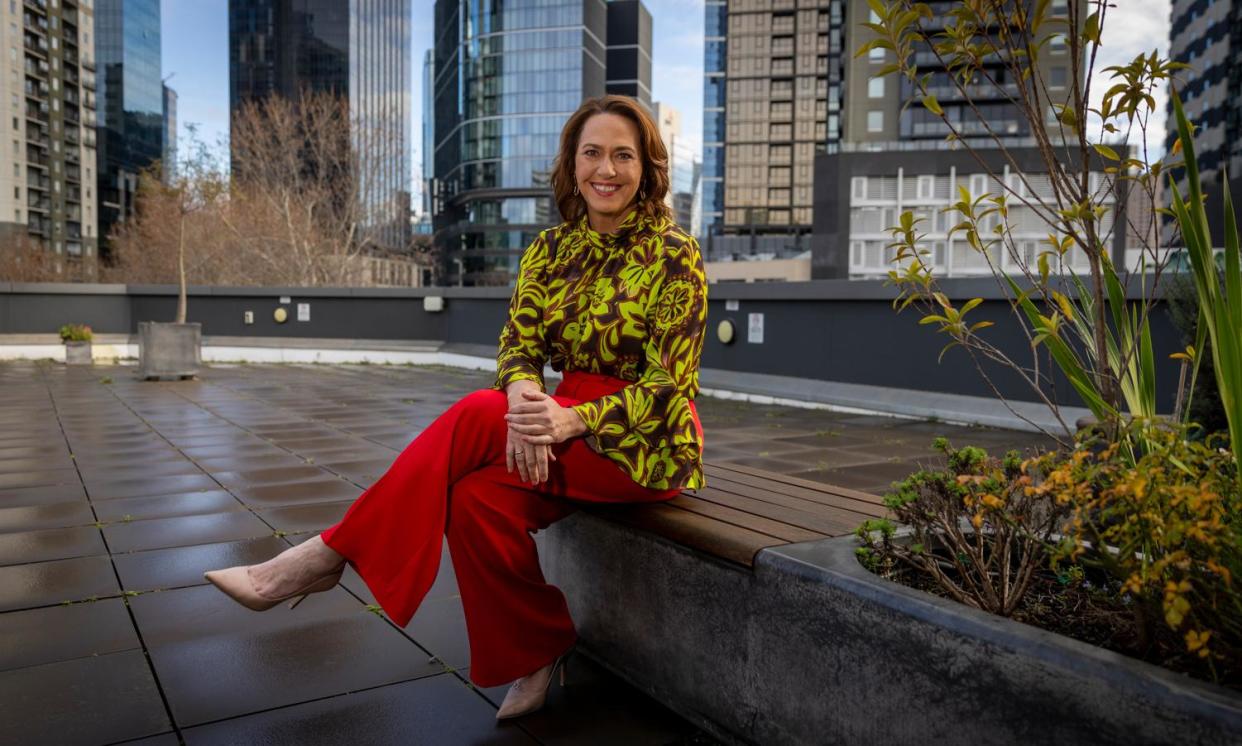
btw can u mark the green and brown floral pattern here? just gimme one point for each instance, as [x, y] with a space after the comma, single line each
[632, 305]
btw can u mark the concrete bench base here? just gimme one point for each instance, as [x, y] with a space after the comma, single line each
[810, 648]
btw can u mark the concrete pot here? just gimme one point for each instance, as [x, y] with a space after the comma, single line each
[811, 648]
[169, 349]
[78, 353]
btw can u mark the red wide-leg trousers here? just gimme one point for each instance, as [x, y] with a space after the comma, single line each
[451, 480]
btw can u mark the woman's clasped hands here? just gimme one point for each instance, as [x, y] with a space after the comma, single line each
[536, 422]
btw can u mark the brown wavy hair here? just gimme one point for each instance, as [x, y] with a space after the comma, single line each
[652, 153]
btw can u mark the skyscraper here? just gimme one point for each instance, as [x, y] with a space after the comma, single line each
[683, 166]
[131, 120]
[358, 49]
[168, 161]
[47, 159]
[715, 44]
[628, 57]
[507, 76]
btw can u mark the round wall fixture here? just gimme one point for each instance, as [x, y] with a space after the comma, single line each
[281, 315]
[724, 332]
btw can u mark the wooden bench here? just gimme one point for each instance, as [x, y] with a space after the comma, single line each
[692, 601]
[743, 510]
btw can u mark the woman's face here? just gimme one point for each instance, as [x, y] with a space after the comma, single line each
[608, 168]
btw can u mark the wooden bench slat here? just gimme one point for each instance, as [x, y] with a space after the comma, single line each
[850, 499]
[810, 484]
[737, 514]
[822, 519]
[690, 529]
[846, 510]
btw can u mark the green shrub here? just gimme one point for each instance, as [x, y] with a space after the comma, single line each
[977, 530]
[75, 333]
[1168, 528]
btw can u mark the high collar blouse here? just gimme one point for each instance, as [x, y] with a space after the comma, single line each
[631, 305]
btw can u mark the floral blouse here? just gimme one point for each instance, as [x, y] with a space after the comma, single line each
[631, 305]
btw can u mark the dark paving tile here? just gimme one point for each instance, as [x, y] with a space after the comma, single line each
[58, 493]
[780, 466]
[444, 586]
[45, 478]
[440, 627]
[363, 471]
[20, 547]
[438, 710]
[245, 463]
[182, 566]
[164, 739]
[188, 530]
[33, 451]
[19, 465]
[865, 478]
[43, 583]
[234, 450]
[92, 475]
[60, 633]
[295, 493]
[153, 486]
[276, 475]
[53, 515]
[596, 707]
[299, 518]
[83, 701]
[91, 458]
[167, 506]
[216, 659]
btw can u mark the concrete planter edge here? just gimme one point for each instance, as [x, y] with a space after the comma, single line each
[78, 352]
[1115, 698]
[169, 349]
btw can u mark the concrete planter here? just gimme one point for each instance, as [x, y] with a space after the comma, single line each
[78, 353]
[168, 349]
[811, 648]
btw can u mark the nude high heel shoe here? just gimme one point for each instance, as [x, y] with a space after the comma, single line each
[236, 584]
[527, 695]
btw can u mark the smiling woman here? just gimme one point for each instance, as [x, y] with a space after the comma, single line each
[616, 298]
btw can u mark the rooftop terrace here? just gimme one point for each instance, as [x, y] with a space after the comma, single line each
[116, 494]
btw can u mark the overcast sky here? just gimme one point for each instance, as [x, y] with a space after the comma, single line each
[195, 55]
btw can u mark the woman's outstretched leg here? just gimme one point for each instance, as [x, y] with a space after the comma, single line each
[392, 534]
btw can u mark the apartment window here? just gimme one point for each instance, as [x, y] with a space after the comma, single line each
[17, 171]
[1057, 41]
[876, 54]
[15, 124]
[55, 84]
[17, 214]
[55, 104]
[927, 187]
[978, 185]
[55, 43]
[1058, 76]
[875, 121]
[858, 187]
[875, 88]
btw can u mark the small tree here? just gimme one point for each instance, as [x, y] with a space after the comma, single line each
[1085, 324]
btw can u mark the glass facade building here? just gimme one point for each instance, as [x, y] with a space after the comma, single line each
[714, 46]
[1208, 37]
[507, 76]
[131, 115]
[354, 48]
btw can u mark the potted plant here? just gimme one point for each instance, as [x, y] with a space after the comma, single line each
[174, 348]
[77, 339]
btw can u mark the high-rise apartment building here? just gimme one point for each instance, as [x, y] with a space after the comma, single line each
[683, 167]
[892, 156]
[1208, 37]
[47, 112]
[358, 49]
[427, 156]
[771, 100]
[507, 76]
[131, 115]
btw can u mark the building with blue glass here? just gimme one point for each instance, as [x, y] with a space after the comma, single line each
[131, 115]
[715, 44]
[507, 76]
[359, 49]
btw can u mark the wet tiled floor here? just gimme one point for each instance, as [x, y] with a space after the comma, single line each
[115, 496]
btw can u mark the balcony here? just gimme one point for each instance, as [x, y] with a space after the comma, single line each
[38, 226]
[73, 194]
[73, 173]
[88, 64]
[38, 202]
[39, 6]
[36, 46]
[36, 90]
[35, 158]
[974, 92]
[73, 116]
[71, 156]
[71, 96]
[88, 82]
[38, 181]
[36, 68]
[73, 231]
[71, 58]
[73, 136]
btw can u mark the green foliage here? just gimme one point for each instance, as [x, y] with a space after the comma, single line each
[1166, 526]
[1220, 303]
[75, 333]
[976, 529]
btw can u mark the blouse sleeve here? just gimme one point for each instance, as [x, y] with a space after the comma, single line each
[648, 427]
[523, 348]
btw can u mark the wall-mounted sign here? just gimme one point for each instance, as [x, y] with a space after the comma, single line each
[303, 312]
[732, 305]
[754, 332]
[285, 299]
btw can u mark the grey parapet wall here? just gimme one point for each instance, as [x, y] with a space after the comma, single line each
[843, 331]
[811, 648]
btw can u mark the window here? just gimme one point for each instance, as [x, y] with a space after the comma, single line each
[1058, 77]
[875, 88]
[927, 187]
[876, 54]
[15, 124]
[1057, 42]
[858, 187]
[875, 121]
